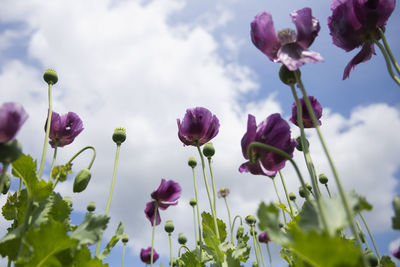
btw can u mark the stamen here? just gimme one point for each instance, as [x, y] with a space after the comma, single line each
[287, 36]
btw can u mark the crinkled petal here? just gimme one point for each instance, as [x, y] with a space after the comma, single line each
[64, 129]
[373, 14]
[255, 169]
[362, 56]
[307, 26]
[307, 121]
[150, 210]
[264, 36]
[293, 56]
[168, 191]
[249, 136]
[12, 117]
[145, 255]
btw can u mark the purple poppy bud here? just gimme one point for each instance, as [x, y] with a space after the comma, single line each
[354, 22]
[307, 121]
[273, 131]
[64, 129]
[12, 117]
[145, 255]
[287, 47]
[396, 253]
[263, 237]
[198, 127]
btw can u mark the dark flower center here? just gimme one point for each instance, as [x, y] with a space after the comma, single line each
[372, 4]
[287, 36]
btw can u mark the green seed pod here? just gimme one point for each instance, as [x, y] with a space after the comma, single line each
[371, 258]
[50, 76]
[192, 202]
[7, 182]
[169, 226]
[292, 196]
[240, 231]
[287, 76]
[10, 151]
[182, 239]
[208, 150]
[302, 192]
[82, 180]
[125, 238]
[68, 200]
[323, 179]
[250, 219]
[192, 162]
[119, 135]
[299, 147]
[309, 187]
[91, 206]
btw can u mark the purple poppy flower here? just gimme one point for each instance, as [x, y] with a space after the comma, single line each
[287, 47]
[307, 122]
[273, 131]
[263, 237]
[145, 255]
[354, 23]
[166, 195]
[198, 127]
[12, 117]
[64, 129]
[396, 253]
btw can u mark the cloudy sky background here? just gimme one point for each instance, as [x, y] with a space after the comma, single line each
[141, 64]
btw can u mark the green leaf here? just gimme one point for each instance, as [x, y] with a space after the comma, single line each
[210, 237]
[396, 218]
[242, 251]
[15, 207]
[114, 240]
[386, 261]
[269, 221]
[189, 259]
[231, 261]
[84, 259]
[9, 244]
[60, 209]
[89, 231]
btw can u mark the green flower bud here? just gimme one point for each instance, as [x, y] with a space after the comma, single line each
[240, 231]
[68, 200]
[371, 258]
[82, 180]
[169, 226]
[50, 76]
[182, 239]
[10, 151]
[119, 135]
[125, 238]
[192, 202]
[323, 179]
[253, 231]
[309, 187]
[250, 219]
[7, 182]
[292, 196]
[287, 76]
[208, 150]
[192, 162]
[302, 192]
[299, 147]
[91, 206]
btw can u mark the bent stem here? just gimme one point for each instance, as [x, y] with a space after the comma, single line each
[388, 64]
[46, 137]
[229, 217]
[287, 195]
[370, 235]
[233, 224]
[80, 151]
[389, 51]
[279, 199]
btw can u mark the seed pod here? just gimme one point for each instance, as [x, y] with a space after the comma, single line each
[119, 135]
[192, 162]
[287, 76]
[208, 150]
[169, 226]
[192, 202]
[292, 196]
[250, 219]
[299, 147]
[323, 179]
[371, 258]
[302, 192]
[10, 151]
[182, 239]
[82, 180]
[125, 238]
[50, 76]
[91, 206]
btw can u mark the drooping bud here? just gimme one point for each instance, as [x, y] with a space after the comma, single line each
[323, 179]
[10, 151]
[250, 220]
[192, 162]
[240, 232]
[119, 135]
[287, 76]
[299, 147]
[169, 226]
[192, 202]
[82, 180]
[91, 206]
[208, 150]
[292, 196]
[182, 239]
[125, 238]
[6, 183]
[50, 76]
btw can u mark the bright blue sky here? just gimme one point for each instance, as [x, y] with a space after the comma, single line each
[140, 64]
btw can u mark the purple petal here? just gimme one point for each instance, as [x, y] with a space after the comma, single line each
[373, 14]
[307, 121]
[264, 36]
[168, 191]
[364, 55]
[263, 237]
[64, 129]
[12, 117]
[293, 55]
[150, 210]
[249, 136]
[255, 169]
[145, 255]
[307, 26]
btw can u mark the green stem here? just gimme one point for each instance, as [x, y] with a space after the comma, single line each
[197, 207]
[152, 234]
[269, 255]
[332, 165]
[179, 251]
[388, 64]
[3, 175]
[389, 51]
[213, 186]
[327, 189]
[123, 255]
[80, 151]
[54, 160]
[195, 227]
[260, 250]
[253, 233]
[297, 207]
[279, 199]
[234, 220]
[229, 217]
[361, 231]
[46, 138]
[370, 235]
[209, 194]
[25, 225]
[9, 263]
[170, 248]
[287, 195]
[280, 153]
[111, 190]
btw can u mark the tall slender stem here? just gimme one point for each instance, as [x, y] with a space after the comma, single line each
[229, 217]
[213, 186]
[152, 234]
[389, 51]
[259, 249]
[286, 193]
[269, 255]
[327, 189]
[361, 231]
[52, 163]
[279, 199]
[46, 138]
[253, 233]
[123, 255]
[370, 235]
[195, 228]
[388, 64]
[208, 193]
[170, 248]
[197, 206]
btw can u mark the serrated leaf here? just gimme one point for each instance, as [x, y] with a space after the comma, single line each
[84, 259]
[269, 221]
[210, 236]
[60, 209]
[386, 261]
[242, 251]
[231, 261]
[15, 207]
[114, 240]
[189, 259]
[89, 231]
[9, 244]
